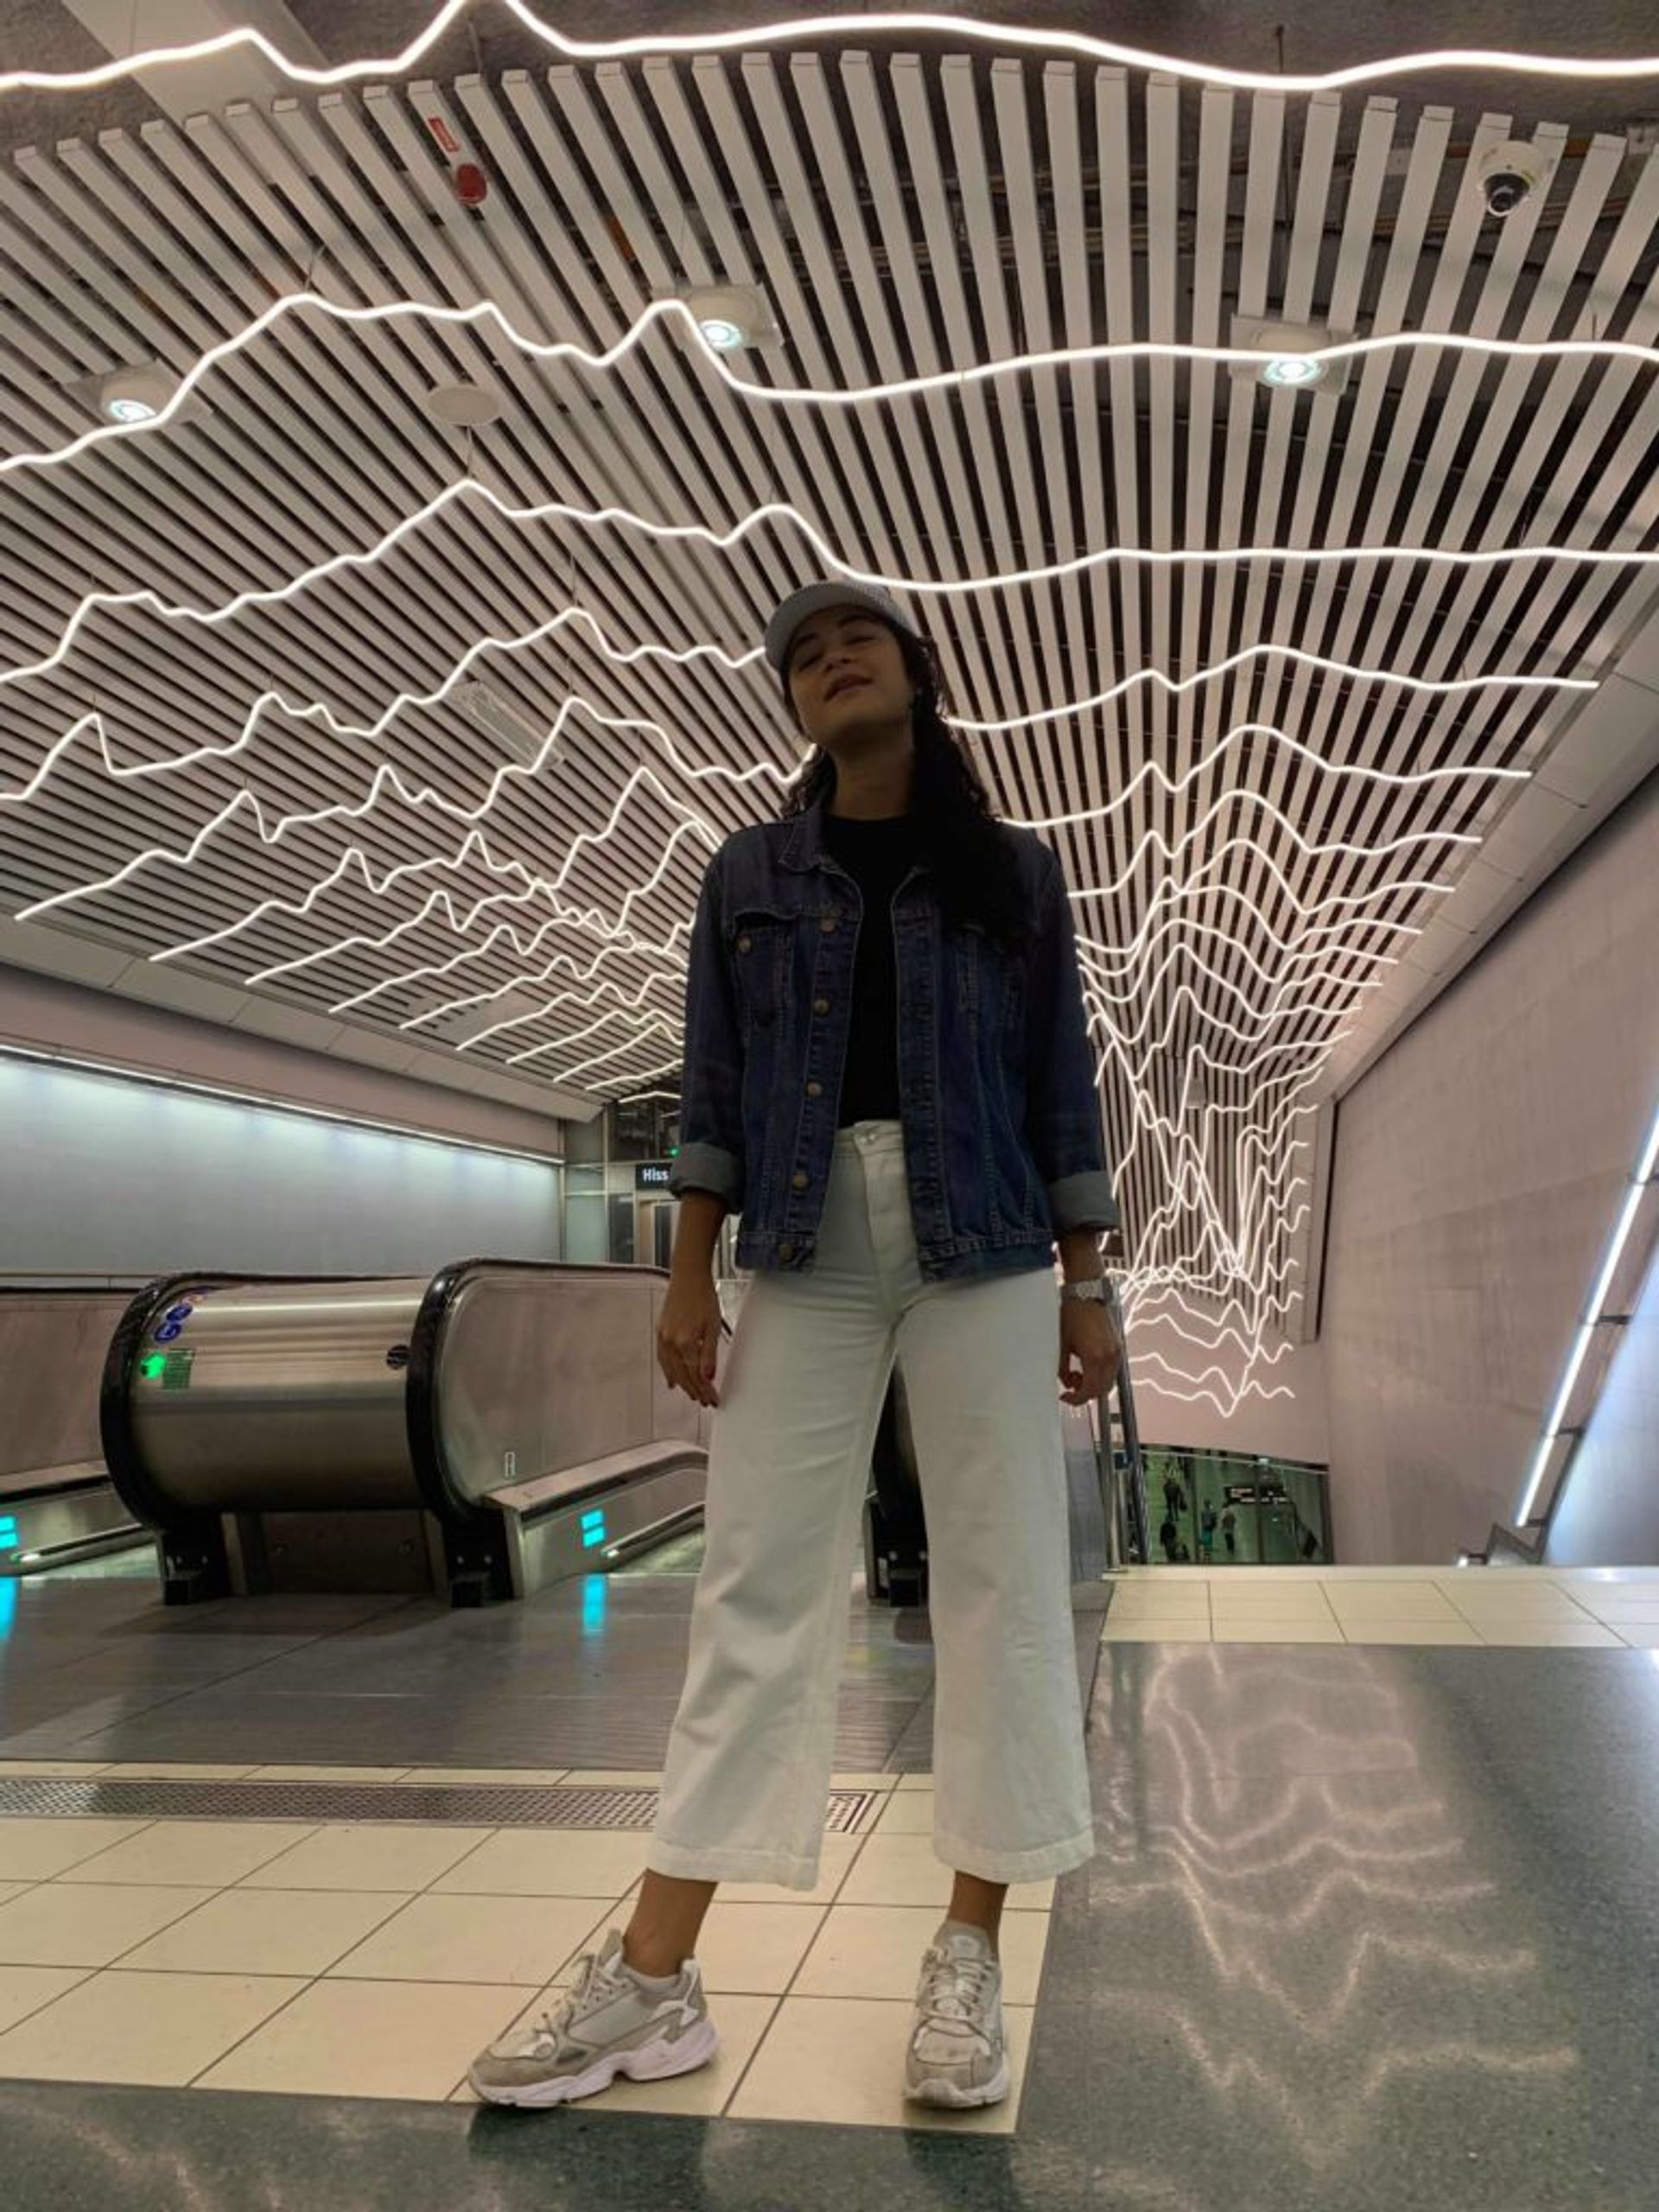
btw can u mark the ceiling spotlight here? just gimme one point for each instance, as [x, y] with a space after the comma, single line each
[1290, 367]
[731, 316]
[1294, 369]
[135, 395]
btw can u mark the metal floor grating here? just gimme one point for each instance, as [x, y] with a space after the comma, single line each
[508, 1805]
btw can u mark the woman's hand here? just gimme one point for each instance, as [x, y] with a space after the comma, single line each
[688, 1337]
[1089, 1350]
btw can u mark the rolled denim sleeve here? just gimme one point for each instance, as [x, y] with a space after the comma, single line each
[1063, 1121]
[711, 1089]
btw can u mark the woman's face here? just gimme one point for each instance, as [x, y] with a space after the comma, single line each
[847, 677]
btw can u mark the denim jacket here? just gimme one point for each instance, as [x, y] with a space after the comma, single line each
[1003, 1141]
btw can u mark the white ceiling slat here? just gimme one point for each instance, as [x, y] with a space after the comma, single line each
[1003, 412]
[904, 219]
[496, 367]
[1054, 754]
[1082, 740]
[750, 564]
[1020, 688]
[1598, 175]
[934, 426]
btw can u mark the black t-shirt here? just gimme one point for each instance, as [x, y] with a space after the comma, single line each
[878, 856]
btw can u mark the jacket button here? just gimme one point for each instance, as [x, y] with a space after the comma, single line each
[745, 943]
[815, 1090]
[827, 923]
[820, 1005]
[800, 1182]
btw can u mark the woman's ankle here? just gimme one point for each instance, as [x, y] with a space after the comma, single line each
[649, 1959]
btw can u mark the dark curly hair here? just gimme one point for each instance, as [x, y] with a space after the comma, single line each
[975, 870]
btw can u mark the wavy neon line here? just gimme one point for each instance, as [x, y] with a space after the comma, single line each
[677, 311]
[552, 1005]
[781, 511]
[623, 943]
[802, 29]
[472, 846]
[523, 949]
[316, 710]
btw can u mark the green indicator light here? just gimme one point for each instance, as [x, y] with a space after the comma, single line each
[153, 1368]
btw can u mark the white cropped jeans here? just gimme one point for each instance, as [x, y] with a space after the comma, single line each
[748, 1774]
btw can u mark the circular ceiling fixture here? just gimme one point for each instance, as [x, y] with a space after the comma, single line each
[463, 406]
[135, 395]
[1292, 369]
[731, 316]
[1290, 366]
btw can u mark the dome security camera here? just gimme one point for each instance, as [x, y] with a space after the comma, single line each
[1508, 174]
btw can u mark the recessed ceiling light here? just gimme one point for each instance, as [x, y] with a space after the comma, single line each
[1290, 367]
[731, 316]
[1294, 369]
[135, 395]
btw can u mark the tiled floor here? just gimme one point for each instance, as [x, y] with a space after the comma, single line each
[1606, 1608]
[373, 1961]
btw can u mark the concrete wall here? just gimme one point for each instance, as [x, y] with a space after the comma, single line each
[1477, 1170]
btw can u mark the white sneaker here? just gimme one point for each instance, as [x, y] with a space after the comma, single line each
[958, 2053]
[605, 2025]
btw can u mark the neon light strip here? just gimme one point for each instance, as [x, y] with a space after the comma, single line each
[623, 1004]
[474, 840]
[472, 846]
[387, 777]
[1144, 986]
[807, 28]
[523, 949]
[551, 1005]
[317, 711]
[779, 510]
[676, 311]
[81, 1065]
[1647, 1167]
[245, 800]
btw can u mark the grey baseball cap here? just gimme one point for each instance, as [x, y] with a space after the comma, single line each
[812, 598]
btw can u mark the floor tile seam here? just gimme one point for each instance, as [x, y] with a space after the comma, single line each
[82, 1974]
[527, 1989]
[65, 1875]
[143, 1828]
[396, 1901]
[109, 1965]
[258, 2028]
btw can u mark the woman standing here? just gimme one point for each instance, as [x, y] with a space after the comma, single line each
[888, 1076]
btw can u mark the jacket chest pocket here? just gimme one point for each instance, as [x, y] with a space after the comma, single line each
[759, 943]
[989, 981]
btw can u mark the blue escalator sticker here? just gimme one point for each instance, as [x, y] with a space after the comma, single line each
[173, 1321]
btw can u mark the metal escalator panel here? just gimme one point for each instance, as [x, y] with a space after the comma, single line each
[500, 1425]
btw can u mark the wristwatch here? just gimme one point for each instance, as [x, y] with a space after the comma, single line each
[1094, 1292]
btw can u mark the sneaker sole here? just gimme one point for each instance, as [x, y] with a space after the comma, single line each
[949, 2093]
[653, 2062]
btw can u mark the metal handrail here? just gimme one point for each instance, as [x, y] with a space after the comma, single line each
[1128, 1525]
